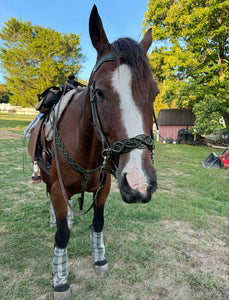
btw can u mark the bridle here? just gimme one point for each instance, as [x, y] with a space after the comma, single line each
[109, 153]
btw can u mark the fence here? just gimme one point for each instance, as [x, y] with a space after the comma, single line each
[8, 108]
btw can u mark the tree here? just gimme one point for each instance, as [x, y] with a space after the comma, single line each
[4, 94]
[192, 59]
[35, 58]
[159, 104]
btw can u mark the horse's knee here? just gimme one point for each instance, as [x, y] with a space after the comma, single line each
[62, 233]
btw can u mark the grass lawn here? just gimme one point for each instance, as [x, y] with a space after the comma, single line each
[175, 247]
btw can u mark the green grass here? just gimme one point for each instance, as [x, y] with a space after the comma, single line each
[16, 117]
[14, 121]
[175, 247]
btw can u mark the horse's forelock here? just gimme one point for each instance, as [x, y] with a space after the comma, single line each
[133, 55]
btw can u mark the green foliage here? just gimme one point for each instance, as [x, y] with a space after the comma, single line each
[158, 103]
[192, 61]
[4, 94]
[35, 58]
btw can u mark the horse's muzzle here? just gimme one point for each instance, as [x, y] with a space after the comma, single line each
[130, 195]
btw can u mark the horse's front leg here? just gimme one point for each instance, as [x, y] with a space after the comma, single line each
[96, 231]
[97, 242]
[60, 260]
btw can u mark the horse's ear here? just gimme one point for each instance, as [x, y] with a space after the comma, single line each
[97, 33]
[147, 40]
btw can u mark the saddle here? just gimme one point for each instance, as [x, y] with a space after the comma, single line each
[40, 153]
[40, 130]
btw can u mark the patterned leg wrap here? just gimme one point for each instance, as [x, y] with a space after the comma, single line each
[70, 215]
[52, 215]
[98, 252]
[97, 245]
[60, 274]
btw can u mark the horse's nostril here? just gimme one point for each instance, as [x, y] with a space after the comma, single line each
[130, 195]
[138, 184]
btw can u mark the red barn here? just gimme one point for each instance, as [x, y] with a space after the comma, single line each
[170, 121]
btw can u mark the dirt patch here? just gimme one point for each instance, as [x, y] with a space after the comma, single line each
[6, 134]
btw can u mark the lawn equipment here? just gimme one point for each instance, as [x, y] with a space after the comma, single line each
[224, 157]
[215, 162]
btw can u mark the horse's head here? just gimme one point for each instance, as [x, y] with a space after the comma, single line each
[122, 92]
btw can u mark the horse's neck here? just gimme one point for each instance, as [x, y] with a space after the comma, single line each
[76, 127]
[78, 114]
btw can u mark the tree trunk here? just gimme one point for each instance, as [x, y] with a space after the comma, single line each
[226, 120]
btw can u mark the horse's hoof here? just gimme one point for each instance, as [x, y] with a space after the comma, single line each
[101, 267]
[62, 294]
[36, 181]
[36, 178]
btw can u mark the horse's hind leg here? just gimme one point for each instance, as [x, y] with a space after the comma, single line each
[70, 216]
[60, 260]
[96, 233]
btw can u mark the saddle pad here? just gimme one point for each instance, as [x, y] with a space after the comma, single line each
[32, 125]
[56, 113]
[61, 105]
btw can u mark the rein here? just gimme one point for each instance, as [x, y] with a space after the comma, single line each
[85, 173]
[57, 142]
[109, 153]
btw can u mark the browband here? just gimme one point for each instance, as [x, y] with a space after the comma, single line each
[108, 57]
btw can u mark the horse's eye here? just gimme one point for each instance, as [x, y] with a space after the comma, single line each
[100, 95]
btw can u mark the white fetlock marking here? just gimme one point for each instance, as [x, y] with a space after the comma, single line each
[97, 245]
[60, 261]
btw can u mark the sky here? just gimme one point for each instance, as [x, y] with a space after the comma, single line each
[121, 18]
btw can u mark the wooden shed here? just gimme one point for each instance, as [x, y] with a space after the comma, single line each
[170, 121]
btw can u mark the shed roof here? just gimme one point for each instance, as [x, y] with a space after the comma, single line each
[176, 117]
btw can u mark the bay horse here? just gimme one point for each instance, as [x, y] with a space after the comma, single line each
[106, 128]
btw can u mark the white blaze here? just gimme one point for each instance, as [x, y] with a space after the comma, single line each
[132, 121]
